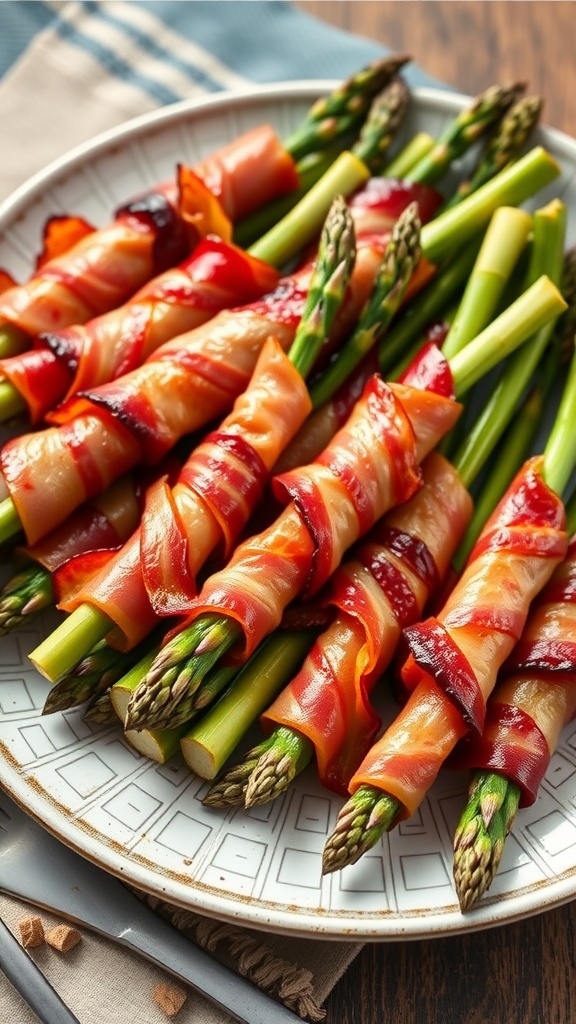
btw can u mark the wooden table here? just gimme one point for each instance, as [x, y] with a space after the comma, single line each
[522, 973]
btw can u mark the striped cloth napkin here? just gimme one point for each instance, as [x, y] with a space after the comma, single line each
[68, 71]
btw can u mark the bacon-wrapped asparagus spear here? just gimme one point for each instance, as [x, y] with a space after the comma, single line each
[148, 234]
[534, 698]
[454, 657]
[370, 465]
[216, 276]
[104, 523]
[219, 485]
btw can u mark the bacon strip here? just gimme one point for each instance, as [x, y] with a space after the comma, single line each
[217, 275]
[535, 696]
[216, 491]
[517, 552]
[381, 588]
[101, 270]
[105, 522]
[391, 430]
[225, 475]
[151, 233]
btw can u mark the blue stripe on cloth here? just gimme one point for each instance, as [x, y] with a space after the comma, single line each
[20, 23]
[109, 15]
[115, 64]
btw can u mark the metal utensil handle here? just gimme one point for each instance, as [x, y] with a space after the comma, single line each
[29, 981]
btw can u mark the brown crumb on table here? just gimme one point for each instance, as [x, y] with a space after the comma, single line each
[31, 931]
[170, 998]
[63, 937]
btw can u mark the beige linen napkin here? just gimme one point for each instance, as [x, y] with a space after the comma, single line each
[99, 980]
[102, 983]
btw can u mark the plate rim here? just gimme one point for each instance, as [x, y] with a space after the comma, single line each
[262, 916]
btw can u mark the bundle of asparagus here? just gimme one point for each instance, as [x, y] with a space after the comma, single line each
[370, 465]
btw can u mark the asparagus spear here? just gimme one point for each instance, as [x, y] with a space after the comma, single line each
[468, 126]
[381, 125]
[344, 110]
[400, 259]
[505, 144]
[193, 650]
[93, 675]
[489, 814]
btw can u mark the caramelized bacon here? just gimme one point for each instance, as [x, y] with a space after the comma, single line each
[382, 587]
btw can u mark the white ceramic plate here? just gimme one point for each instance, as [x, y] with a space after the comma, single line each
[146, 823]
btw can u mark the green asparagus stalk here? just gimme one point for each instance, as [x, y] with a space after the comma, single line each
[505, 239]
[93, 675]
[404, 337]
[12, 405]
[504, 146]
[417, 147]
[451, 229]
[466, 128]
[162, 698]
[99, 710]
[86, 626]
[343, 111]
[381, 125]
[371, 811]
[13, 340]
[547, 252]
[567, 325]
[206, 746]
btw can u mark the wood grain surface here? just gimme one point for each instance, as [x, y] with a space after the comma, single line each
[523, 973]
